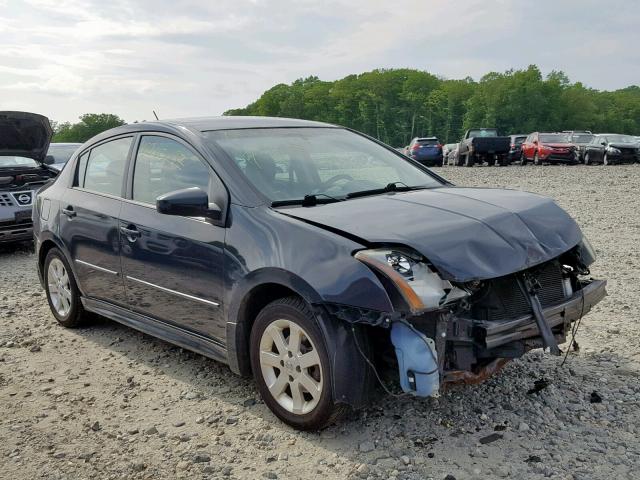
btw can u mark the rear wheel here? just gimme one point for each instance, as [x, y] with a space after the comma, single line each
[291, 365]
[62, 292]
[536, 159]
[523, 160]
[468, 160]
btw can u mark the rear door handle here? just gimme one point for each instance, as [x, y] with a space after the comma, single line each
[69, 211]
[131, 232]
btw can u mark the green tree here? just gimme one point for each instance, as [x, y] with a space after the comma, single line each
[90, 124]
[399, 104]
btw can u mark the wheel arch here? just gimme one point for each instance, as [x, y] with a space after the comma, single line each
[47, 243]
[257, 291]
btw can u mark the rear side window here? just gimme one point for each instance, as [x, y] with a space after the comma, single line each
[105, 167]
[164, 165]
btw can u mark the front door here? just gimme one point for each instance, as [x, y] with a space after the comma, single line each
[172, 265]
[89, 220]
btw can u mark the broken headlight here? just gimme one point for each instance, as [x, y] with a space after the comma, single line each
[419, 285]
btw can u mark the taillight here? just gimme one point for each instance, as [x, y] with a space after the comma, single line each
[513, 145]
[439, 145]
[415, 147]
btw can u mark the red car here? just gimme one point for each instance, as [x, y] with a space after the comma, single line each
[542, 147]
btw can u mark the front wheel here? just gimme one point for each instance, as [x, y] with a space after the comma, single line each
[536, 159]
[291, 365]
[62, 292]
[587, 160]
[605, 160]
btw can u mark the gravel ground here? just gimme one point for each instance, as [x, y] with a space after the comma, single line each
[109, 402]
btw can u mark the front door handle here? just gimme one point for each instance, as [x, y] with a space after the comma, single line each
[69, 211]
[131, 232]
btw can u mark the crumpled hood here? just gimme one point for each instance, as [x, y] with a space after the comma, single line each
[467, 233]
[24, 134]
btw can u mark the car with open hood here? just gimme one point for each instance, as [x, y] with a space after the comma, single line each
[308, 255]
[24, 168]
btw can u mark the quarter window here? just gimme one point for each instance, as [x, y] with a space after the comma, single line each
[105, 167]
[164, 165]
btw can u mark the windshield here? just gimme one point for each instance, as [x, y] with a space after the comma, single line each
[17, 162]
[62, 153]
[518, 140]
[621, 139]
[581, 138]
[289, 163]
[427, 141]
[483, 132]
[554, 138]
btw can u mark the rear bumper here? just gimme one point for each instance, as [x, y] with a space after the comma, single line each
[428, 159]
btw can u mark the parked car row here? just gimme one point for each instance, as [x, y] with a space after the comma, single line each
[486, 146]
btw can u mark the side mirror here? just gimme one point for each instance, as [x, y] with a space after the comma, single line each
[49, 160]
[603, 143]
[188, 202]
[535, 142]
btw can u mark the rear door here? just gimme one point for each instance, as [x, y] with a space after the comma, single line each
[89, 219]
[172, 265]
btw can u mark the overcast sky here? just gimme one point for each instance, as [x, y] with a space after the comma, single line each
[63, 58]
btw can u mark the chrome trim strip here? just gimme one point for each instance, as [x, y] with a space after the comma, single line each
[179, 294]
[96, 267]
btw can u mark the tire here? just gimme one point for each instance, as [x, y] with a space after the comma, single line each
[587, 160]
[523, 160]
[273, 326]
[605, 160]
[468, 160]
[536, 159]
[62, 292]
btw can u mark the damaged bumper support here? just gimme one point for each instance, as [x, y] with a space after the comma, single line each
[495, 341]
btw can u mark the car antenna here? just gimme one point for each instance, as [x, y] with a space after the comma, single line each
[155, 114]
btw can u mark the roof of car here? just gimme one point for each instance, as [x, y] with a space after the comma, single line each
[204, 124]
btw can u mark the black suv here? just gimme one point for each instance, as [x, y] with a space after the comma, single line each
[309, 255]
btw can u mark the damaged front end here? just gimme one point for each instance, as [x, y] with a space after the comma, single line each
[448, 332]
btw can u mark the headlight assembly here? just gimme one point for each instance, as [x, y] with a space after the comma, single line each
[420, 287]
[613, 150]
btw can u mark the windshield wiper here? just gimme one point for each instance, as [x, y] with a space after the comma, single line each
[309, 200]
[390, 187]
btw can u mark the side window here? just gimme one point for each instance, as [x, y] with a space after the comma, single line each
[105, 168]
[81, 170]
[164, 165]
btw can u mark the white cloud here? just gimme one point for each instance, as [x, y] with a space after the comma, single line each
[187, 57]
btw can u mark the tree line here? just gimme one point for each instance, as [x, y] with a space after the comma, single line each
[399, 104]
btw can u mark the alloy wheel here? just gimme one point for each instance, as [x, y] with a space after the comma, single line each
[59, 287]
[290, 366]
